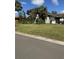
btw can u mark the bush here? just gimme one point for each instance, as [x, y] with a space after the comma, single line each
[30, 20]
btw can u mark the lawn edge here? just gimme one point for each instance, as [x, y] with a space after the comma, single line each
[41, 38]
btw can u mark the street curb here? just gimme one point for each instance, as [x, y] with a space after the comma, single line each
[41, 38]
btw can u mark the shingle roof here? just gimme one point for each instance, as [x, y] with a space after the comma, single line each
[56, 15]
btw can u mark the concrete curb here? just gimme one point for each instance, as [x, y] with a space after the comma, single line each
[42, 38]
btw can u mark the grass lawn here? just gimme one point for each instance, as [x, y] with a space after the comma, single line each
[45, 30]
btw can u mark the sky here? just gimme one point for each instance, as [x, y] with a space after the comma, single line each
[52, 5]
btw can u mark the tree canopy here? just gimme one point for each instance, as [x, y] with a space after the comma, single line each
[18, 6]
[42, 11]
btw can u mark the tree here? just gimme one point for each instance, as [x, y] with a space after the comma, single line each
[54, 12]
[41, 11]
[19, 9]
[18, 6]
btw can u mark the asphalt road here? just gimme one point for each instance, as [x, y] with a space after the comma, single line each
[30, 48]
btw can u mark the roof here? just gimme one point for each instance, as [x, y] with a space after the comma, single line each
[56, 15]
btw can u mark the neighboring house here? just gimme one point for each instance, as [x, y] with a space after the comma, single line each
[53, 21]
[56, 18]
[61, 18]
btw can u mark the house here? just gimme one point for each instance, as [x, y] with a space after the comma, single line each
[56, 18]
[61, 18]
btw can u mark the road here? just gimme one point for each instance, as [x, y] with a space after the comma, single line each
[30, 48]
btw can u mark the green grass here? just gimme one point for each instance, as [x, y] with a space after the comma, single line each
[45, 30]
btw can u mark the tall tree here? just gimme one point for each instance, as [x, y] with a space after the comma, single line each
[18, 6]
[41, 11]
[19, 9]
